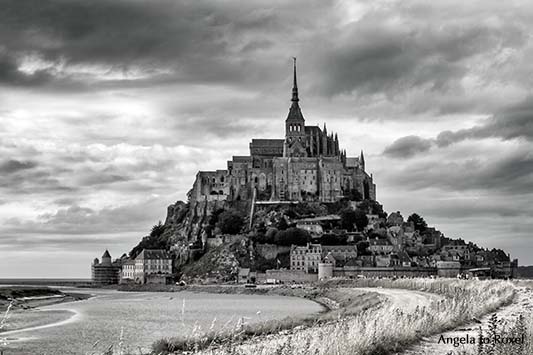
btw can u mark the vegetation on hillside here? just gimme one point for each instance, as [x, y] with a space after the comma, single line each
[157, 239]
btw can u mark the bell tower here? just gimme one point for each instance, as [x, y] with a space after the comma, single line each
[295, 138]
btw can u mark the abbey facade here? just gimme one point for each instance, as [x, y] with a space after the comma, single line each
[307, 165]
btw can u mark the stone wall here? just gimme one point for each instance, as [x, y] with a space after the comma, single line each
[288, 276]
[353, 271]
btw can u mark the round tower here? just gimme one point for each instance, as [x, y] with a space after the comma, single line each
[106, 258]
[325, 271]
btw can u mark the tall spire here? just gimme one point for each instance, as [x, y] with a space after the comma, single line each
[295, 85]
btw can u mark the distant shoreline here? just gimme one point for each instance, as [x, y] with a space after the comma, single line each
[24, 297]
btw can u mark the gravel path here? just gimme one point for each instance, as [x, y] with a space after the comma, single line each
[523, 304]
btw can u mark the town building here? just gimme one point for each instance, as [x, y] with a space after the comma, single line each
[153, 266]
[380, 246]
[128, 271]
[307, 165]
[306, 258]
[105, 272]
[340, 253]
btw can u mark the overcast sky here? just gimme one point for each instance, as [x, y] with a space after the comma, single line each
[109, 108]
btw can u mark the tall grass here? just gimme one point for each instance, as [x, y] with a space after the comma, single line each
[383, 330]
[521, 329]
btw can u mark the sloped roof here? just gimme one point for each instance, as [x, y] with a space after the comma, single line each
[153, 254]
[313, 129]
[106, 254]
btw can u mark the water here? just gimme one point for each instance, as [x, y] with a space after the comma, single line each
[96, 324]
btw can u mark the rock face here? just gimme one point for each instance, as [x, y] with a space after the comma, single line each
[219, 264]
[187, 222]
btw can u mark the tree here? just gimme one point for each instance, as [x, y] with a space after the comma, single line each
[348, 217]
[362, 247]
[282, 224]
[333, 239]
[213, 219]
[292, 236]
[361, 220]
[418, 221]
[230, 222]
[373, 207]
[155, 240]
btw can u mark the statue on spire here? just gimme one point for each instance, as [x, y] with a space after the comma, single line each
[295, 85]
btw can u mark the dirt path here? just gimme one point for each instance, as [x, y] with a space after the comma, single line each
[431, 346]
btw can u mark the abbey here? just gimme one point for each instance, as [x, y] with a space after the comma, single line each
[307, 165]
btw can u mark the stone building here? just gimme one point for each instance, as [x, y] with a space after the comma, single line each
[307, 165]
[128, 271]
[153, 266]
[306, 258]
[105, 272]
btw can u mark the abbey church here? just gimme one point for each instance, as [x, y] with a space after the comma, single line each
[308, 165]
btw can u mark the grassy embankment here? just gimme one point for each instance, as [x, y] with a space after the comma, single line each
[337, 305]
[379, 330]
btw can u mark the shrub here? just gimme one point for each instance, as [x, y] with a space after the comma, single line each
[230, 222]
[292, 236]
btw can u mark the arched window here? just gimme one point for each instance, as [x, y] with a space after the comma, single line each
[222, 179]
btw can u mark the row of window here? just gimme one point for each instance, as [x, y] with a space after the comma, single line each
[295, 128]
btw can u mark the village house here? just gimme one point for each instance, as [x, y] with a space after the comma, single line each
[153, 266]
[341, 253]
[306, 258]
[380, 246]
[128, 271]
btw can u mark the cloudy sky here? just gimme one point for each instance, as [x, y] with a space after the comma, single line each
[108, 109]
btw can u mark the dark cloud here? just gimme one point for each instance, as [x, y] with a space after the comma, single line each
[407, 147]
[12, 166]
[10, 74]
[80, 220]
[509, 174]
[188, 41]
[512, 122]
[375, 55]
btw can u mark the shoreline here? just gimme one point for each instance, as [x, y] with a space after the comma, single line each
[30, 301]
[308, 292]
[335, 303]
[73, 317]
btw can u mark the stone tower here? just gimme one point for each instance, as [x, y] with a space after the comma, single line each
[295, 137]
[106, 258]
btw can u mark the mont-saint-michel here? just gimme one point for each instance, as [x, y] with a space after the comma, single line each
[295, 177]
[297, 209]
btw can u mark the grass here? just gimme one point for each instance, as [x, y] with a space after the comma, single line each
[238, 332]
[362, 324]
[382, 330]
